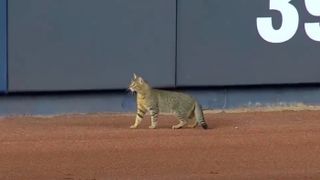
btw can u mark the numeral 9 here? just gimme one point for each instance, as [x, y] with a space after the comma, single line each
[313, 29]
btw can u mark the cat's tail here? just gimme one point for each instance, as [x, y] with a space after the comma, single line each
[199, 116]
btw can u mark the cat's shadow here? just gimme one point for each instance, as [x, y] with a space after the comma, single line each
[213, 124]
[221, 123]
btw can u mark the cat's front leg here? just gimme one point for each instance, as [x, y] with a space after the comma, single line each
[139, 116]
[154, 118]
[136, 123]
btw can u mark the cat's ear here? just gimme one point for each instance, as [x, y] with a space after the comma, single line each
[141, 81]
[134, 76]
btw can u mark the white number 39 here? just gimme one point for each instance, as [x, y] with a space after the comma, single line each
[290, 22]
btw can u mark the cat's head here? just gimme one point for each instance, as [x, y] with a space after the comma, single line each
[138, 84]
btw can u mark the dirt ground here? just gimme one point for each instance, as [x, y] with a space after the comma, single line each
[256, 145]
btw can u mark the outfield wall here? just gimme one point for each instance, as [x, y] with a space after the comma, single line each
[77, 48]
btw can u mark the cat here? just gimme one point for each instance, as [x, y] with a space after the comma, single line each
[155, 101]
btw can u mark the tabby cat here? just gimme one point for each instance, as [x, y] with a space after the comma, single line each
[155, 101]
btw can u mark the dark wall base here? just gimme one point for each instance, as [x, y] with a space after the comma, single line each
[120, 101]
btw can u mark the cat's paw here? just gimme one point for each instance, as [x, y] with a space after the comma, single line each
[133, 127]
[152, 127]
[176, 127]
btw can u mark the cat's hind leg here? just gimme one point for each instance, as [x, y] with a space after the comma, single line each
[180, 125]
[193, 123]
[182, 122]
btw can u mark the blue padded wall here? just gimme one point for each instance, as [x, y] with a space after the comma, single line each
[3, 46]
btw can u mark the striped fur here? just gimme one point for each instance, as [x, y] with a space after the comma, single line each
[155, 101]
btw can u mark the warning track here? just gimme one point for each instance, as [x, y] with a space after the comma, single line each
[268, 145]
